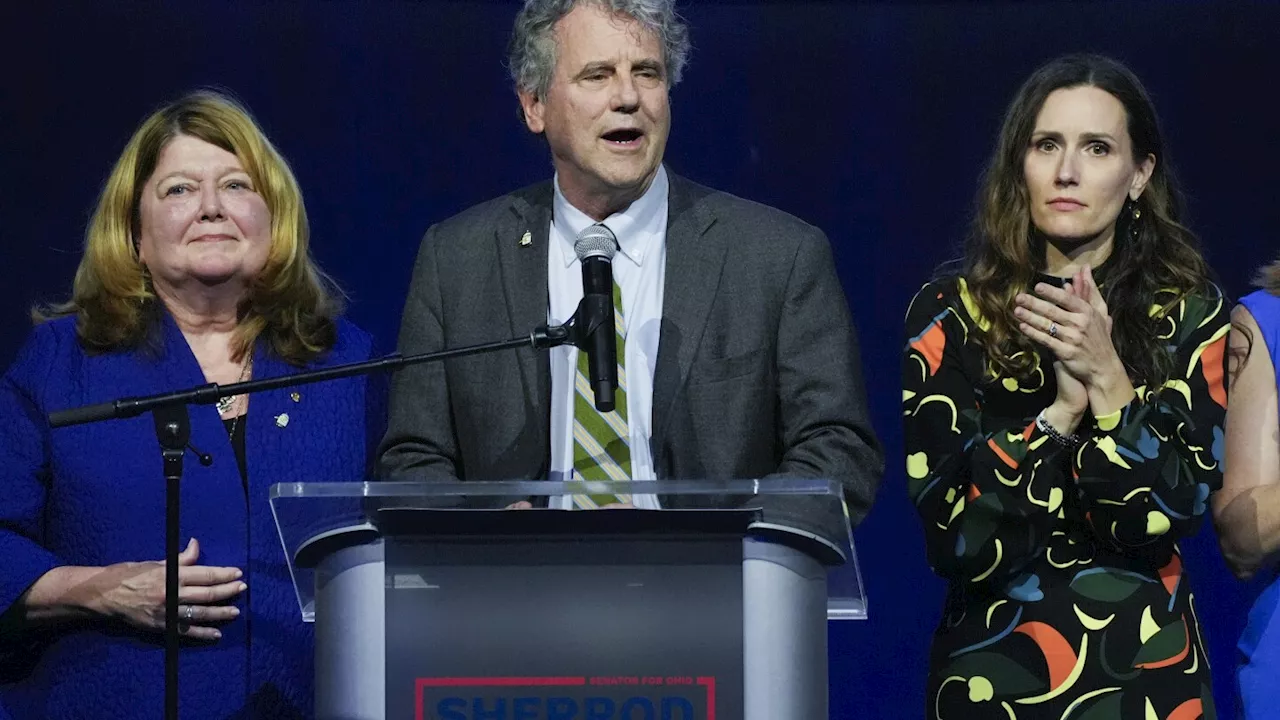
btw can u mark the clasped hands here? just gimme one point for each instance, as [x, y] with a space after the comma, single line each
[1074, 323]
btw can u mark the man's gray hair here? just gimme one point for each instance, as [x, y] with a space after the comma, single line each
[532, 53]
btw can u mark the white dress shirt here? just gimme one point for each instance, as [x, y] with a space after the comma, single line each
[639, 268]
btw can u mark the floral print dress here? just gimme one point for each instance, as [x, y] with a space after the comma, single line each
[1067, 597]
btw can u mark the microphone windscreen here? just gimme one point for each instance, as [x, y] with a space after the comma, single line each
[596, 241]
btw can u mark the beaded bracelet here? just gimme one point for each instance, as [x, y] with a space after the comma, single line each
[1067, 441]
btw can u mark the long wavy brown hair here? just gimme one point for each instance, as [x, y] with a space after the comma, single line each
[292, 304]
[1153, 253]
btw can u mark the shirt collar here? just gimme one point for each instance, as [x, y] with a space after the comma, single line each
[637, 227]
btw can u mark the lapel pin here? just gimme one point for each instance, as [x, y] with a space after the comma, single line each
[282, 420]
[295, 396]
[527, 239]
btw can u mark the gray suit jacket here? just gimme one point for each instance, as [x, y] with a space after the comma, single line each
[757, 371]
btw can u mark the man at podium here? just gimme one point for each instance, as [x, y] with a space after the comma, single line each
[735, 352]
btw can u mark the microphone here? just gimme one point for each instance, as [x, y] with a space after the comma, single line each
[205, 458]
[595, 248]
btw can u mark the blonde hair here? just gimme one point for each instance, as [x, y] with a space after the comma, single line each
[291, 303]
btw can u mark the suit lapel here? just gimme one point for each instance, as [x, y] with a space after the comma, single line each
[695, 259]
[522, 263]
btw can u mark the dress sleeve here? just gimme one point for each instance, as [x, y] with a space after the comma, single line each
[24, 469]
[988, 491]
[1146, 470]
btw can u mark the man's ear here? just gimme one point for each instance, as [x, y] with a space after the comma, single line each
[533, 108]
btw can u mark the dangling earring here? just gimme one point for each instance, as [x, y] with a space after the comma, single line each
[1135, 213]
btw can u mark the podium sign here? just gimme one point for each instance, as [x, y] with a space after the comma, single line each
[604, 627]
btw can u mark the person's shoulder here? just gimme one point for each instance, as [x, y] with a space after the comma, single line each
[51, 347]
[762, 220]
[1263, 305]
[490, 213]
[1189, 318]
[59, 328]
[943, 290]
[1259, 312]
[53, 338]
[944, 285]
[946, 300]
[1203, 305]
[351, 343]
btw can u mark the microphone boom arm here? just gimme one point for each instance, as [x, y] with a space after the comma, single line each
[173, 429]
[541, 338]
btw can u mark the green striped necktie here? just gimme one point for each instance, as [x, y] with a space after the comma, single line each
[602, 441]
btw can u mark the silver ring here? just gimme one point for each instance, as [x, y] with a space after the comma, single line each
[1053, 329]
[189, 612]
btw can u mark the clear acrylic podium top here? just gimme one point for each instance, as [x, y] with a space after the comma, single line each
[809, 510]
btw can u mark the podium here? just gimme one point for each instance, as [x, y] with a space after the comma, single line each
[433, 601]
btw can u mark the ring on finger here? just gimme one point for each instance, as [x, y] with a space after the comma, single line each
[189, 612]
[1053, 329]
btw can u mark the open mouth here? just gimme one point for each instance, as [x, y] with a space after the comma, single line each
[623, 137]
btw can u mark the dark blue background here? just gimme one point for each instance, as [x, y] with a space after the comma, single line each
[870, 120]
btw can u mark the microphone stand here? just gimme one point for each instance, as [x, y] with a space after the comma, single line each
[173, 430]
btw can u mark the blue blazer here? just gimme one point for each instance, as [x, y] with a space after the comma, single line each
[94, 495]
